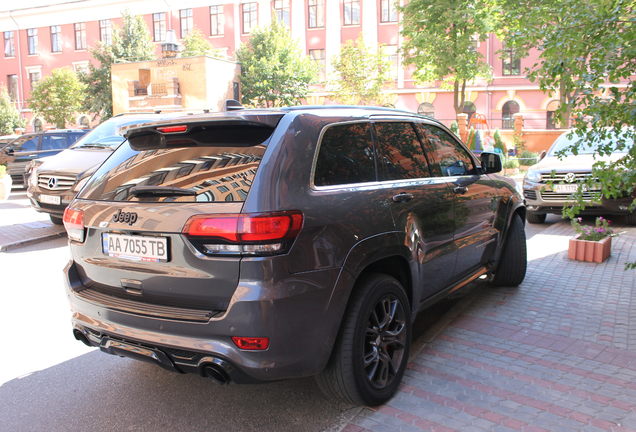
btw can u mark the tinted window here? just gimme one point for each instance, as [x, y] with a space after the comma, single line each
[346, 156]
[26, 144]
[449, 158]
[400, 151]
[54, 142]
[203, 170]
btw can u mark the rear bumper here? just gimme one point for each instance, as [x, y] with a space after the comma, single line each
[295, 314]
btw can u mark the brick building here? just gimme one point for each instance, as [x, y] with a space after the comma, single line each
[52, 34]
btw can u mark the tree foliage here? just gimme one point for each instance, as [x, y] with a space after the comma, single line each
[58, 97]
[9, 115]
[195, 44]
[587, 51]
[361, 74]
[274, 72]
[130, 43]
[440, 39]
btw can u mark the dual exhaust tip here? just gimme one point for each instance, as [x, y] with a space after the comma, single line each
[213, 368]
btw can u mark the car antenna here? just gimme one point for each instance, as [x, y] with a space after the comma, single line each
[233, 105]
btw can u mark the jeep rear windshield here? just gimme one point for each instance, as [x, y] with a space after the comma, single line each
[205, 169]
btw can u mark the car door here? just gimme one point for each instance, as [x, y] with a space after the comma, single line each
[421, 205]
[475, 198]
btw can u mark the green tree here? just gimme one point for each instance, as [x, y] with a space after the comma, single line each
[130, 43]
[195, 44]
[361, 74]
[9, 116]
[274, 72]
[440, 39]
[58, 97]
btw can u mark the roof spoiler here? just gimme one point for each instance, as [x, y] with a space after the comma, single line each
[232, 105]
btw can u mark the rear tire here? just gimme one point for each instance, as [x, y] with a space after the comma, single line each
[513, 262]
[535, 218]
[631, 218]
[372, 349]
[56, 220]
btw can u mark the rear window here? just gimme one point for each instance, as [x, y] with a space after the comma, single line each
[191, 173]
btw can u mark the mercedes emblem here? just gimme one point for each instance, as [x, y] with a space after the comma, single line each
[52, 183]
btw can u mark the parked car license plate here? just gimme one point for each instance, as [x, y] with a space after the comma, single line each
[569, 188]
[50, 199]
[136, 248]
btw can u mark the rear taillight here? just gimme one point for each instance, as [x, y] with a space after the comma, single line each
[74, 224]
[251, 343]
[244, 234]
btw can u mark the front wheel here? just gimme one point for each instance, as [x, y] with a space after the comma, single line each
[56, 220]
[535, 218]
[372, 349]
[513, 261]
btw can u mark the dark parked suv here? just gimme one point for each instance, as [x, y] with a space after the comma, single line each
[259, 245]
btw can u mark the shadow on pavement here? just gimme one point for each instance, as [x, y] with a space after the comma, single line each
[98, 392]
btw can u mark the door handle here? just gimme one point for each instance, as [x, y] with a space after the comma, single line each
[402, 197]
[460, 189]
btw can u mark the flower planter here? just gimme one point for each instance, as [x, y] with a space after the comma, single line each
[590, 251]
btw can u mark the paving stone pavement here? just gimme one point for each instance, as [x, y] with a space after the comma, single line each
[558, 353]
[20, 225]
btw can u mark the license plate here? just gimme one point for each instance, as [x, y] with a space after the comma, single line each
[570, 188]
[135, 248]
[51, 199]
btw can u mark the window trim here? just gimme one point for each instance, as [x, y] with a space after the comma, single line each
[351, 3]
[161, 21]
[186, 15]
[11, 43]
[32, 37]
[320, 6]
[250, 11]
[388, 20]
[219, 15]
[58, 38]
[79, 29]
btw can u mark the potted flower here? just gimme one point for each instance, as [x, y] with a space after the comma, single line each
[5, 183]
[592, 243]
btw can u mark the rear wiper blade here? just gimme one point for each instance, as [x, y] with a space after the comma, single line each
[160, 191]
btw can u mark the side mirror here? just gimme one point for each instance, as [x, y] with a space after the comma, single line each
[9, 150]
[542, 155]
[490, 162]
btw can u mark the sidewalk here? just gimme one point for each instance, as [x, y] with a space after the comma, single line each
[557, 353]
[20, 225]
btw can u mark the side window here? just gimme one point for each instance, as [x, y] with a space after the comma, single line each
[54, 142]
[449, 158]
[346, 156]
[400, 154]
[29, 145]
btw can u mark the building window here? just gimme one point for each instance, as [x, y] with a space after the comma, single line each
[80, 36]
[12, 87]
[391, 56]
[9, 44]
[105, 31]
[316, 13]
[32, 41]
[159, 26]
[37, 125]
[510, 63]
[470, 109]
[551, 121]
[389, 11]
[281, 11]
[351, 12]
[250, 16]
[56, 38]
[217, 21]
[185, 17]
[318, 57]
[34, 77]
[509, 108]
[426, 109]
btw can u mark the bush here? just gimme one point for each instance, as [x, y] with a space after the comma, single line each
[527, 158]
[499, 144]
[511, 164]
[454, 127]
[3, 171]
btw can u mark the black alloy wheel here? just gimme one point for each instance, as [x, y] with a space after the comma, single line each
[385, 341]
[372, 349]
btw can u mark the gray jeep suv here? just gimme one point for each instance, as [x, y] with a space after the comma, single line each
[258, 245]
